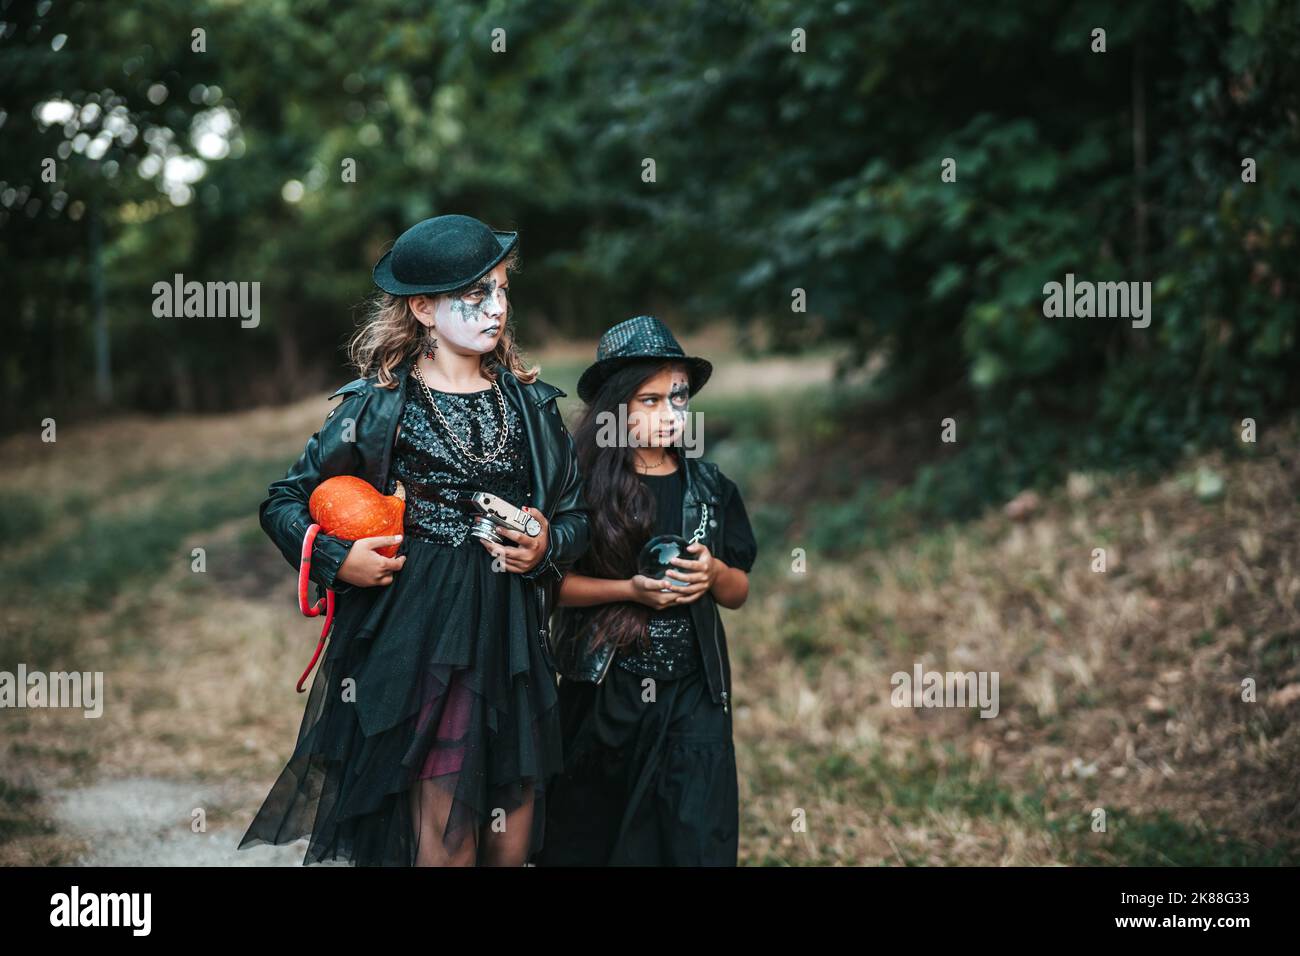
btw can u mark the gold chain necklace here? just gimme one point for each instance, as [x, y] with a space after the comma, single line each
[646, 469]
[505, 423]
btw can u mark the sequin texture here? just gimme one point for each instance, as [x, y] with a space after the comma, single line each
[423, 453]
[673, 649]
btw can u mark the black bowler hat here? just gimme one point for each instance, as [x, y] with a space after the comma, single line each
[441, 254]
[634, 339]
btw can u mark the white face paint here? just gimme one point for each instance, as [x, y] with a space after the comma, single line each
[657, 413]
[474, 322]
[679, 401]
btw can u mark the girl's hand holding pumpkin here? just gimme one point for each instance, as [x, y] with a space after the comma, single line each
[366, 567]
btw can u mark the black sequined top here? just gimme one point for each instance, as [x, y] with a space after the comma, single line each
[424, 454]
[673, 649]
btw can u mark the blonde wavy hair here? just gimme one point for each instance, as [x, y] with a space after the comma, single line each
[390, 333]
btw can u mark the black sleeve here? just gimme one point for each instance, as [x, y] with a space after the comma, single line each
[569, 531]
[739, 549]
[284, 514]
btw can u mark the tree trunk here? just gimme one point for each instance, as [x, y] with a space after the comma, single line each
[103, 371]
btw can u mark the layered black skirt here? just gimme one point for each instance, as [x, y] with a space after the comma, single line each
[645, 783]
[433, 716]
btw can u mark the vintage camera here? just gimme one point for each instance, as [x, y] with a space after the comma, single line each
[490, 512]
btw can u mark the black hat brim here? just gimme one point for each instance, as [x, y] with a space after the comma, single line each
[384, 278]
[589, 383]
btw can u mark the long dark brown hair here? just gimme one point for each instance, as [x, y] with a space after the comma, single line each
[623, 509]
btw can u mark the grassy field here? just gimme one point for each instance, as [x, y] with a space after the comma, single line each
[1121, 691]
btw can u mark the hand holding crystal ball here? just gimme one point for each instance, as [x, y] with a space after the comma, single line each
[657, 555]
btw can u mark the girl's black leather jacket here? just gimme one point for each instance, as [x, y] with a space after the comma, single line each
[357, 439]
[573, 638]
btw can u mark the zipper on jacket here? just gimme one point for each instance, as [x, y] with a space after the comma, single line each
[722, 676]
[571, 468]
[390, 442]
[722, 672]
[543, 626]
[605, 669]
[608, 663]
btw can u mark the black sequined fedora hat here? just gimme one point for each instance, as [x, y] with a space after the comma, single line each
[441, 254]
[638, 338]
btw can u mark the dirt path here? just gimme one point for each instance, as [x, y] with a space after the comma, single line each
[145, 821]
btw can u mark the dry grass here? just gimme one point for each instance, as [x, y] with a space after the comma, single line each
[196, 667]
[1119, 690]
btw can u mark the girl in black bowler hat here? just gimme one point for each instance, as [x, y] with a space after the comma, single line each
[645, 688]
[432, 725]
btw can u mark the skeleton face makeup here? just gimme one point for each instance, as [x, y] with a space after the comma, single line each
[474, 321]
[679, 401]
[657, 412]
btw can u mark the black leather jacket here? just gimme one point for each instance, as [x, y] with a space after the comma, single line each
[572, 635]
[357, 439]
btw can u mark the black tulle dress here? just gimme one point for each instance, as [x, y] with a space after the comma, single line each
[433, 714]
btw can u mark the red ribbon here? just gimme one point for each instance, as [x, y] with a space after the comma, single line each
[326, 603]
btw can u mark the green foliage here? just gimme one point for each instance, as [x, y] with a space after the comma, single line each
[1160, 839]
[775, 170]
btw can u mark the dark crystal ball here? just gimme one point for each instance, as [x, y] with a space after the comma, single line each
[654, 559]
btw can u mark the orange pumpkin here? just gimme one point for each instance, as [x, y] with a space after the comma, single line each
[349, 507]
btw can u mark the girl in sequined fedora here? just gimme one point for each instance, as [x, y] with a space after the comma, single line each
[645, 689]
[432, 726]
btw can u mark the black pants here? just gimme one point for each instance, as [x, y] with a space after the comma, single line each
[646, 782]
